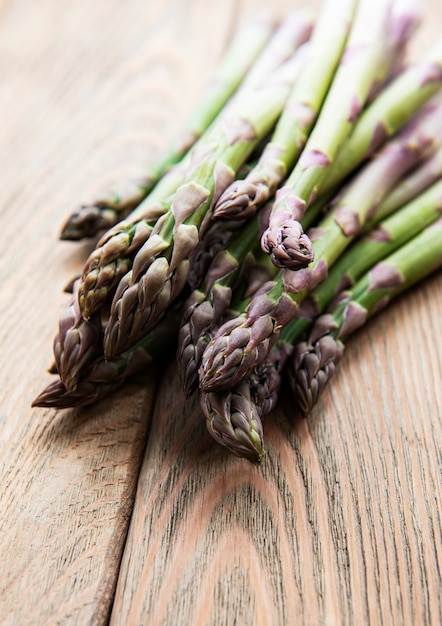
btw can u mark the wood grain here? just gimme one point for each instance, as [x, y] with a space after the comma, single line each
[341, 525]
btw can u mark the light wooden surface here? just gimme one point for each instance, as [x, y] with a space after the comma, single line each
[127, 511]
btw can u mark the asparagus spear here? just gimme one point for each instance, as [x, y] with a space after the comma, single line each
[313, 362]
[206, 306]
[101, 380]
[390, 234]
[102, 377]
[112, 259]
[113, 255]
[77, 342]
[319, 362]
[161, 266]
[365, 52]
[256, 396]
[414, 183]
[239, 345]
[405, 17]
[294, 30]
[232, 271]
[359, 201]
[218, 155]
[233, 420]
[101, 213]
[311, 367]
[216, 238]
[242, 198]
[105, 211]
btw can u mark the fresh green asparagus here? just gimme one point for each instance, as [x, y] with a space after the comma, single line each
[204, 173]
[234, 350]
[412, 184]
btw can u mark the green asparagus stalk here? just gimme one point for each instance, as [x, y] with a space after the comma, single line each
[102, 213]
[242, 198]
[234, 350]
[365, 52]
[413, 184]
[406, 16]
[390, 234]
[358, 203]
[294, 30]
[219, 153]
[161, 266]
[313, 362]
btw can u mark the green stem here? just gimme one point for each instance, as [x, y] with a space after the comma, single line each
[387, 114]
[400, 271]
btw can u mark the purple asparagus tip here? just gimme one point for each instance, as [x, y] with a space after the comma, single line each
[288, 246]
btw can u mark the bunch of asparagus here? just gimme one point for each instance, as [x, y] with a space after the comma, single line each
[304, 194]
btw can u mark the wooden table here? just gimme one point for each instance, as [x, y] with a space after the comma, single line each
[127, 511]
